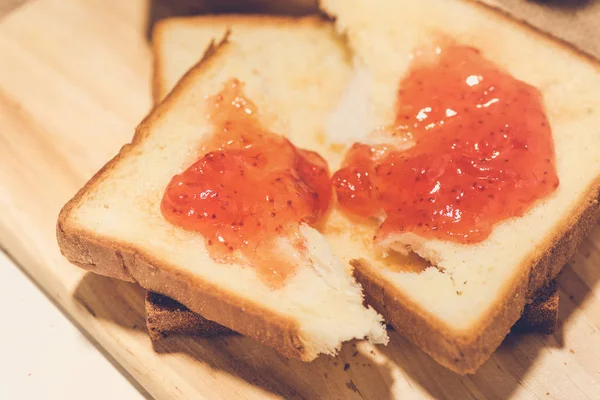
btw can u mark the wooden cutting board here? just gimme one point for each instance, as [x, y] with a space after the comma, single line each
[74, 82]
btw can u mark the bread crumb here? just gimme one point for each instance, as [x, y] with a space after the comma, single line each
[572, 351]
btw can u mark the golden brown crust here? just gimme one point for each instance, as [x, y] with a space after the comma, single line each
[541, 315]
[165, 317]
[122, 261]
[464, 353]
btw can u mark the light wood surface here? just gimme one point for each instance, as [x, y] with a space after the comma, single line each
[7, 6]
[74, 82]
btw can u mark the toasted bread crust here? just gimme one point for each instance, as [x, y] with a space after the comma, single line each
[165, 317]
[541, 315]
[464, 353]
[114, 259]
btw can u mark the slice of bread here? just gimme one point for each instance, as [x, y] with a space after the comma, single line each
[114, 226]
[459, 309]
[176, 45]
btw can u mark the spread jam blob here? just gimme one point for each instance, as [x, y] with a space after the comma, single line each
[470, 146]
[249, 188]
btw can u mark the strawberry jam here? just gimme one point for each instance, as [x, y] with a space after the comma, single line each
[470, 146]
[249, 188]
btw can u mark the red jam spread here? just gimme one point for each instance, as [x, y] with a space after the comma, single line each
[248, 188]
[481, 152]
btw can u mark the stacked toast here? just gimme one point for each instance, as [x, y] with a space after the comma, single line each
[325, 85]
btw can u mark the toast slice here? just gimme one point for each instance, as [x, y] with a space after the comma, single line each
[461, 307]
[114, 225]
[176, 44]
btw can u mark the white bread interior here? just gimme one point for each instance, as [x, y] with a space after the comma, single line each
[295, 73]
[314, 72]
[468, 282]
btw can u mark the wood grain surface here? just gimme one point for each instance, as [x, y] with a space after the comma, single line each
[7, 6]
[74, 82]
